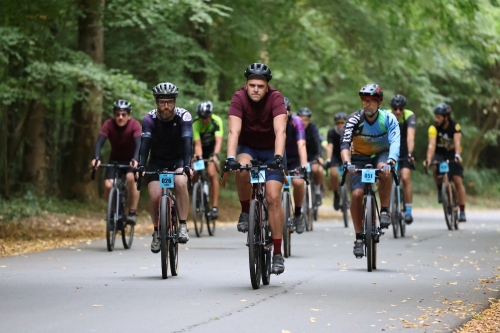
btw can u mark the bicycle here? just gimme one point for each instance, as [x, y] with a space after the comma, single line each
[288, 209]
[310, 209]
[371, 229]
[259, 240]
[201, 190]
[168, 221]
[115, 212]
[449, 194]
[397, 205]
[344, 200]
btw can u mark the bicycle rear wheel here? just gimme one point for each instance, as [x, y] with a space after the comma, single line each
[198, 209]
[456, 209]
[254, 236]
[210, 221]
[402, 208]
[307, 208]
[266, 252]
[163, 231]
[395, 212]
[344, 205]
[111, 218]
[127, 235]
[285, 201]
[173, 249]
[447, 206]
[369, 243]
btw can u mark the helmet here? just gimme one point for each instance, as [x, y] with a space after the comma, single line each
[304, 112]
[165, 90]
[205, 109]
[339, 116]
[258, 69]
[442, 109]
[287, 103]
[398, 101]
[372, 90]
[122, 104]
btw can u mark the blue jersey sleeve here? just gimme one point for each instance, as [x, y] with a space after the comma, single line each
[394, 136]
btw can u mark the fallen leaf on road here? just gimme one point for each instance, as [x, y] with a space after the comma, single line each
[451, 282]
[78, 287]
[313, 320]
[283, 282]
[313, 309]
[243, 300]
[394, 305]
[285, 331]
[96, 305]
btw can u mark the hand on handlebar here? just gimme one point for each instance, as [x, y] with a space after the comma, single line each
[231, 164]
[134, 164]
[458, 158]
[188, 171]
[350, 168]
[426, 164]
[386, 169]
[95, 163]
[276, 163]
[140, 172]
[411, 159]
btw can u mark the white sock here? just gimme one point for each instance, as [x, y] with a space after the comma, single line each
[317, 189]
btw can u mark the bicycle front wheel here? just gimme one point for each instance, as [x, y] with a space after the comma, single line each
[455, 206]
[210, 221]
[163, 231]
[173, 249]
[285, 201]
[307, 208]
[254, 237]
[395, 210]
[402, 208]
[447, 206]
[345, 205]
[111, 218]
[198, 209]
[369, 241]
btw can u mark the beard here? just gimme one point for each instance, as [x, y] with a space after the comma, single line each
[370, 112]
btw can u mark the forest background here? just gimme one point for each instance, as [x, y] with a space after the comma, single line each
[63, 63]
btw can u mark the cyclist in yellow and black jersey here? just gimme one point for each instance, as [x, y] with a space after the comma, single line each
[444, 144]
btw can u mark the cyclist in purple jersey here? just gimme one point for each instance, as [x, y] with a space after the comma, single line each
[124, 134]
[296, 156]
[167, 137]
[333, 158]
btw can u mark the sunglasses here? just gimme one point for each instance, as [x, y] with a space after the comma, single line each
[340, 123]
[166, 102]
[121, 114]
[396, 109]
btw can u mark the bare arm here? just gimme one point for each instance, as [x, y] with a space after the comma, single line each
[346, 155]
[457, 138]
[279, 123]
[301, 144]
[410, 139]
[431, 148]
[218, 144]
[329, 151]
[234, 134]
[198, 151]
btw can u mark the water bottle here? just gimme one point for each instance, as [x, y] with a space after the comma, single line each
[205, 188]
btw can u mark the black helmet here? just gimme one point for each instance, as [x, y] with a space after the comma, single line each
[165, 90]
[258, 69]
[205, 109]
[339, 116]
[122, 104]
[398, 101]
[304, 112]
[287, 103]
[372, 90]
[442, 109]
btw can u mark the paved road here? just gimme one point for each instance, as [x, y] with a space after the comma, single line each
[427, 280]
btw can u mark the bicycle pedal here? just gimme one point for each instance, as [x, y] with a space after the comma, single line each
[359, 257]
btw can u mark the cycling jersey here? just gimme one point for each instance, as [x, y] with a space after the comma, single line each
[164, 138]
[313, 142]
[407, 120]
[125, 140]
[207, 133]
[334, 136]
[369, 139]
[444, 139]
[294, 132]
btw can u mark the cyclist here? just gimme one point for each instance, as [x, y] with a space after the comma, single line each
[296, 156]
[124, 134]
[407, 127]
[313, 145]
[333, 158]
[207, 137]
[257, 130]
[444, 144]
[167, 136]
[374, 135]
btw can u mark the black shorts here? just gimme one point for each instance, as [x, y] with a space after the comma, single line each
[171, 165]
[293, 163]
[404, 164]
[455, 168]
[335, 161]
[110, 172]
[359, 161]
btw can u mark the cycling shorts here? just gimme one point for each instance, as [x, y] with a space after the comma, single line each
[266, 157]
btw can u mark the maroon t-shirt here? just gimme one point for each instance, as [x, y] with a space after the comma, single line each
[121, 138]
[257, 128]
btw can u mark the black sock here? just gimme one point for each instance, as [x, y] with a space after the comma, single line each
[336, 193]
[182, 221]
[359, 236]
[156, 228]
[384, 209]
[132, 212]
[298, 211]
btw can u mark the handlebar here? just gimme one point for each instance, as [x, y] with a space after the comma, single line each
[377, 171]
[109, 165]
[164, 171]
[256, 168]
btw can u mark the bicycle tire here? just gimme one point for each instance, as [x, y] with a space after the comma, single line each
[374, 228]
[307, 206]
[209, 219]
[111, 219]
[315, 215]
[173, 248]
[447, 207]
[368, 220]
[402, 205]
[265, 252]
[127, 234]
[164, 210]
[254, 236]
[455, 206]
[198, 209]
[285, 201]
[395, 212]
[344, 206]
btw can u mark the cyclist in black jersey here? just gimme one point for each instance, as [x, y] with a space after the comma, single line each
[407, 127]
[445, 144]
[333, 158]
[167, 136]
[313, 146]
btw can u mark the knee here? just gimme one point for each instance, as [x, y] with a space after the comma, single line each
[273, 197]
[358, 194]
[181, 183]
[108, 184]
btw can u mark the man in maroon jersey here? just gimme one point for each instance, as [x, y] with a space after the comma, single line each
[257, 130]
[124, 134]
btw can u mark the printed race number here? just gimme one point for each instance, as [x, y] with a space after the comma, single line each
[167, 181]
[199, 165]
[258, 177]
[444, 167]
[368, 176]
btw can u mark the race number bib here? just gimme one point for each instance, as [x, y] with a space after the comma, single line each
[199, 165]
[167, 181]
[341, 169]
[368, 176]
[308, 167]
[258, 177]
[444, 167]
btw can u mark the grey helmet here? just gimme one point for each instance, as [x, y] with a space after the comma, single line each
[287, 103]
[259, 70]
[340, 116]
[442, 109]
[372, 90]
[205, 109]
[304, 112]
[165, 90]
[398, 101]
[122, 104]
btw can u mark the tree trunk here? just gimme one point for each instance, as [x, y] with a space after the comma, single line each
[34, 159]
[86, 116]
[479, 143]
